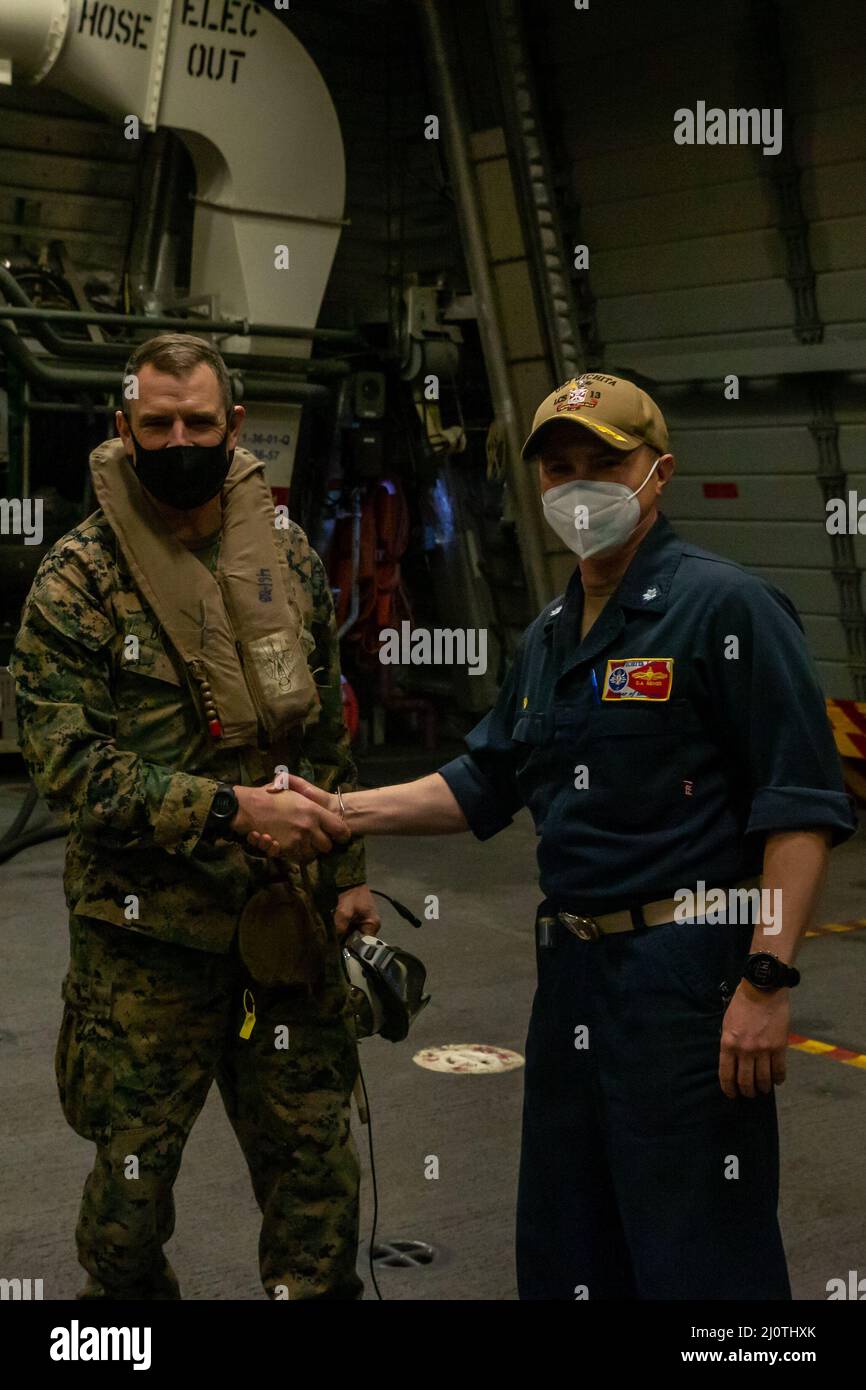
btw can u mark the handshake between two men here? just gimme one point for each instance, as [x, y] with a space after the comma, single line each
[299, 825]
[293, 818]
[289, 817]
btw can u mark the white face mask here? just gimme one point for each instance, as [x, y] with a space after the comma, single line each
[593, 517]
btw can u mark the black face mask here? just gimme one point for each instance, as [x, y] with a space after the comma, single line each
[183, 475]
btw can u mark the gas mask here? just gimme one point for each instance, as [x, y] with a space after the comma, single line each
[183, 475]
[612, 513]
[386, 986]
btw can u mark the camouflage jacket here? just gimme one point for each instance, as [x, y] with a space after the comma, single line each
[121, 750]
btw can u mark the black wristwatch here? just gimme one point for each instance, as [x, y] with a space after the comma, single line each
[767, 972]
[223, 810]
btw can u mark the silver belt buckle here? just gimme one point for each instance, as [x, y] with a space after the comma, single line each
[586, 928]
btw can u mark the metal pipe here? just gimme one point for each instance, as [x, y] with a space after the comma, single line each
[46, 374]
[23, 308]
[273, 388]
[450, 103]
[309, 366]
[67, 408]
[118, 352]
[61, 347]
[227, 327]
[158, 183]
[283, 97]
[33, 36]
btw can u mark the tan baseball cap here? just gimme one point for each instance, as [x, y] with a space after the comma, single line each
[616, 410]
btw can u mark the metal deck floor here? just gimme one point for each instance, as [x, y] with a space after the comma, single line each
[481, 970]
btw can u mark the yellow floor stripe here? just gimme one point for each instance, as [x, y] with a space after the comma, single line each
[812, 1045]
[857, 924]
[822, 1049]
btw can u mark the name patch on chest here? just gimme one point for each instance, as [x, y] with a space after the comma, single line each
[639, 678]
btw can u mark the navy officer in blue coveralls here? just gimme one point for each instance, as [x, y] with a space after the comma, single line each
[663, 723]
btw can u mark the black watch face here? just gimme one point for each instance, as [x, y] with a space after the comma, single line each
[764, 971]
[223, 803]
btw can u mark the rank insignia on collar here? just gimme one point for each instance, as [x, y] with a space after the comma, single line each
[639, 678]
[650, 593]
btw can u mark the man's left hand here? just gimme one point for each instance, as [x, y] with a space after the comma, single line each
[754, 1041]
[356, 911]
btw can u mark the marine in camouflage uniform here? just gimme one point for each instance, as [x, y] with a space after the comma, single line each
[154, 995]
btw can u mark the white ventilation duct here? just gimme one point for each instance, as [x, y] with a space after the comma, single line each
[252, 108]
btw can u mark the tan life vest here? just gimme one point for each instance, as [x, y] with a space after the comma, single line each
[240, 633]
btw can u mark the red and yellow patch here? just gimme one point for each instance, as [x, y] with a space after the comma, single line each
[639, 678]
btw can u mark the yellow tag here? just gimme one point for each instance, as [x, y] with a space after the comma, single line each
[249, 1022]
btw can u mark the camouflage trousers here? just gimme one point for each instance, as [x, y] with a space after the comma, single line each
[147, 1027]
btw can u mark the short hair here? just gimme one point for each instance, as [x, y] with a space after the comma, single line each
[177, 354]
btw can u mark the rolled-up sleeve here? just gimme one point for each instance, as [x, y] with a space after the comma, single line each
[772, 715]
[483, 780]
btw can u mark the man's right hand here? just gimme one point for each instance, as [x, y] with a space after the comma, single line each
[300, 829]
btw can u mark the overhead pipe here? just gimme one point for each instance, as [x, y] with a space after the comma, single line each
[24, 310]
[42, 373]
[164, 65]
[273, 388]
[337, 337]
[119, 351]
[65, 408]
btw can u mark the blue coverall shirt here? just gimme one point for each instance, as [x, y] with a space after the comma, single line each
[664, 747]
